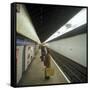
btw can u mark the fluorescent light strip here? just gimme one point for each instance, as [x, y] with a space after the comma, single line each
[78, 20]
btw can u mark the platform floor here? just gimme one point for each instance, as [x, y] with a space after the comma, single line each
[35, 74]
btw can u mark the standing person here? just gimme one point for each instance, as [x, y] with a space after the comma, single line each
[47, 63]
[45, 57]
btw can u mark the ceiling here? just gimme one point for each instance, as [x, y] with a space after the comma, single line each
[49, 18]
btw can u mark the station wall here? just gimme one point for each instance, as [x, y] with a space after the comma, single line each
[25, 25]
[19, 53]
[29, 53]
[74, 48]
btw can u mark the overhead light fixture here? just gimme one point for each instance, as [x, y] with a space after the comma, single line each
[68, 26]
[76, 21]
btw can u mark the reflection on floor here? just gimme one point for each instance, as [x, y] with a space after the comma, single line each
[35, 74]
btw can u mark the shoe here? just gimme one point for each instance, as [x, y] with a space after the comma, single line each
[47, 77]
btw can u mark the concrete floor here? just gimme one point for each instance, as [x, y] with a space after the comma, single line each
[35, 74]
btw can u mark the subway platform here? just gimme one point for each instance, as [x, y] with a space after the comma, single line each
[34, 75]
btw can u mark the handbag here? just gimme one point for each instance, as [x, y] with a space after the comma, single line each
[50, 71]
